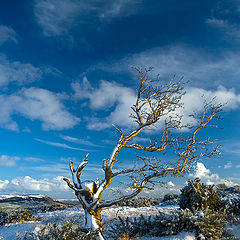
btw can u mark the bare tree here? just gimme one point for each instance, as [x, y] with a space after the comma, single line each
[153, 103]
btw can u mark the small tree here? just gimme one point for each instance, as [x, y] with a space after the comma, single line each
[153, 103]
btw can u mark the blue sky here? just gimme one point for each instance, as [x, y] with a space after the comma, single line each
[66, 77]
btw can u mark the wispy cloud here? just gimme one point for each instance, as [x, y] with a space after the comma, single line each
[56, 168]
[33, 159]
[232, 146]
[58, 17]
[79, 141]
[9, 161]
[229, 31]
[197, 66]
[228, 165]
[36, 104]
[15, 71]
[7, 34]
[62, 145]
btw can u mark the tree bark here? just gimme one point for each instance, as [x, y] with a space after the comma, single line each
[93, 221]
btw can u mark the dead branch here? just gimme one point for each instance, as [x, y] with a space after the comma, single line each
[153, 103]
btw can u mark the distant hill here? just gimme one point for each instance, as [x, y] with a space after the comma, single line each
[39, 203]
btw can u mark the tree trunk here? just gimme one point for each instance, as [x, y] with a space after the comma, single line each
[93, 221]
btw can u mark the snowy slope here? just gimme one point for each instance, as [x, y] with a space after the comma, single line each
[75, 215]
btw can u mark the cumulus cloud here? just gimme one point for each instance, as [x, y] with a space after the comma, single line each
[30, 185]
[207, 177]
[195, 98]
[14, 71]
[119, 99]
[52, 186]
[36, 104]
[3, 184]
[8, 160]
[58, 17]
[107, 95]
[7, 34]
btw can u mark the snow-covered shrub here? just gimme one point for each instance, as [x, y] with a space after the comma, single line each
[17, 215]
[162, 224]
[53, 232]
[207, 208]
[197, 196]
[230, 197]
[3, 218]
[170, 199]
[137, 202]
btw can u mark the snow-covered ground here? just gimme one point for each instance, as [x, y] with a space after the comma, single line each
[75, 215]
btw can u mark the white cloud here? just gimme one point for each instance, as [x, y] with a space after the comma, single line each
[228, 165]
[54, 187]
[207, 177]
[58, 17]
[120, 99]
[36, 104]
[229, 32]
[200, 171]
[3, 184]
[108, 94]
[195, 65]
[195, 98]
[29, 184]
[7, 34]
[14, 71]
[8, 160]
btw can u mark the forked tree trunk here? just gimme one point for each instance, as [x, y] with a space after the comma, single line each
[93, 222]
